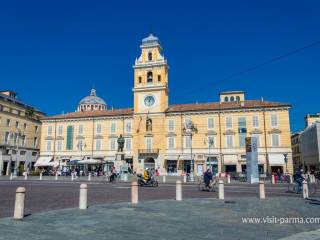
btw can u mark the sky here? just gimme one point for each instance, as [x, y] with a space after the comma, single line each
[53, 52]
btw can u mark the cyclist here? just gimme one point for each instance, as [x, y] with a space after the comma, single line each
[298, 178]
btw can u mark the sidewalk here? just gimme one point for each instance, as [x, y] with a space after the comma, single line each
[167, 219]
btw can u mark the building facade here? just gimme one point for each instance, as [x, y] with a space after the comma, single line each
[157, 135]
[20, 129]
[296, 150]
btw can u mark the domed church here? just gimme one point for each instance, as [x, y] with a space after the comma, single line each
[92, 103]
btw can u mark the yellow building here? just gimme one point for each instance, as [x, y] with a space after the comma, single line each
[167, 137]
[19, 134]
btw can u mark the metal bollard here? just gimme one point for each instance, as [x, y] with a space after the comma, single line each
[40, 177]
[228, 179]
[11, 176]
[178, 190]
[185, 178]
[89, 177]
[83, 196]
[72, 176]
[164, 178]
[262, 192]
[19, 203]
[291, 179]
[25, 176]
[107, 178]
[56, 177]
[221, 189]
[273, 179]
[134, 193]
[305, 189]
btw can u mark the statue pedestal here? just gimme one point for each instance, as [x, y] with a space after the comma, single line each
[120, 156]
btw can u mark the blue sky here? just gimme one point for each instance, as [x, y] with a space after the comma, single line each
[53, 52]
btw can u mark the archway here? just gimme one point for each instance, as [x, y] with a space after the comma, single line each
[149, 163]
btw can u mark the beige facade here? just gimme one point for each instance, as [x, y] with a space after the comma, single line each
[20, 130]
[155, 132]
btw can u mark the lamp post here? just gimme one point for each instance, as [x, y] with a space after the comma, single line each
[189, 130]
[285, 155]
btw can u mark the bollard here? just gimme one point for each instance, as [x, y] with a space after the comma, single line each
[25, 176]
[134, 193]
[40, 177]
[19, 203]
[89, 177]
[291, 179]
[83, 196]
[185, 178]
[262, 190]
[56, 177]
[273, 179]
[11, 176]
[228, 179]
[305, 190]
[72, 176]
[107, 178]
[178, 190]
[164, 178]
[221, 189]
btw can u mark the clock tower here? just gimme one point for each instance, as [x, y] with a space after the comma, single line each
[150, 78]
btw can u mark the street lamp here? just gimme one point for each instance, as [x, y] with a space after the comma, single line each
[190, 129]
[285, 155]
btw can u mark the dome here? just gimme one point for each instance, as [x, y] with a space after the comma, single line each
[151, 40]
[92, 102]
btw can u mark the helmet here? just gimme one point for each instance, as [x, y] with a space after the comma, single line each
[147, 169]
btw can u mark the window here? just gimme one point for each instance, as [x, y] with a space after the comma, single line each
[257, 137]
[242, 140]
[149, 77]
[275, 140]
[113, 127]
[211, 141]
[35, 142]
[170, 125]
[98, 128]
[171, 143]
[128, 127]
[228, 122]
[274, 120]
[98, 144]
[17, 124]
[255, 121]
[69, 138]
[24, 140]
[149, 56]
[36, 128]
[226, 99]
[48, 145]
[15, 138]
[187, 142]
[229, 141]
[60, 130]
[6, 138]
[112, 144]
[128, 143]
[59, 145]
[25, 126]
[232, 99]
[81, 145]
[140, 80]
[159, 78]
[80, 129]
[242, 125]
[210, 123]
[238, 99]
[49, 130]
[148, 143]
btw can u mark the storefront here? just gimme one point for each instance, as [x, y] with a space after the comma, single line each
[212, 163]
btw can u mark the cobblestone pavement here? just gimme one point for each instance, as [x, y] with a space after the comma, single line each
[167, 219]
[51, 195]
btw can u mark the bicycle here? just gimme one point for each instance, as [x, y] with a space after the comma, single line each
[212, 185]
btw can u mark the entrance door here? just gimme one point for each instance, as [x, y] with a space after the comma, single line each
[149, 163]
[186, 166]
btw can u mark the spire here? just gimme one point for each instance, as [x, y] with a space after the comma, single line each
[93, 92]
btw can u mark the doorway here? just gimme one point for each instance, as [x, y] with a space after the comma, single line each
[149, 163]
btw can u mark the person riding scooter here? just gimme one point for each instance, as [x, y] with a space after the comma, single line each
[207, 178]
[146, 175]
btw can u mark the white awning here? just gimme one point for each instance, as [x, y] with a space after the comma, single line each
[230, 159]
[276, 159]
[44, 162]
[89, 161]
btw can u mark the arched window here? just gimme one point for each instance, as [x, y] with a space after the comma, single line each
[149, 56]
[149, 77]
[226, 99]
[238, 99]
[232, 99]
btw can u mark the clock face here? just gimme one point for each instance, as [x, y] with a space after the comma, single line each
[149, 101]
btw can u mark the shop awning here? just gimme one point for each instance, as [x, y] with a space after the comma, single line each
[89, 161]
[44, 162]
[230, 159]
[171, 157]
[109, 158]
[276, 159]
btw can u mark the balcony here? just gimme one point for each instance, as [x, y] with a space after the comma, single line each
[148, 152]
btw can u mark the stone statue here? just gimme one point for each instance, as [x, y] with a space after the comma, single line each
[149, 124]
[120, 142]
